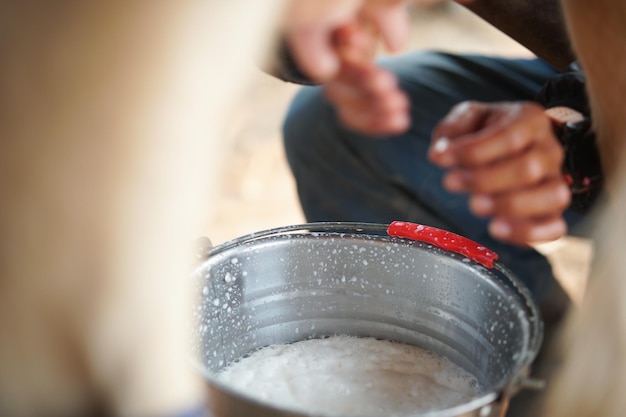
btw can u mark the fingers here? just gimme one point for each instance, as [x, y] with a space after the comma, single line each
[464, 118]
[391, 19]
[523, 231]
[485, 133]
[355, 44]
[524, 169]
[526, 216]
[369, 100]
[334, 42]
[314, 53]
[367, 97]
[375, 122]
[311, 25]
[507, 157]
[545, 200]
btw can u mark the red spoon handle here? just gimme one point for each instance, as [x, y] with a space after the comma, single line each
[444, 240]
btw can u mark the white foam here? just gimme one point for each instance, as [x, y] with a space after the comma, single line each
[349, 376]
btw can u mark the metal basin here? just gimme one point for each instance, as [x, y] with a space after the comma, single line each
[315, 280]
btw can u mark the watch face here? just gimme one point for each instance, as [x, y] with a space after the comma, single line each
[581, 167]
[562, 115]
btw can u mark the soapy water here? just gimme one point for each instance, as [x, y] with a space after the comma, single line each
[351, 376]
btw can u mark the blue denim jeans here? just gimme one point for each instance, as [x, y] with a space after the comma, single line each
[343, 175]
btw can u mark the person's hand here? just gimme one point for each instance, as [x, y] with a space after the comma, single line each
[310, 26]
[507, 157]
[367, 98]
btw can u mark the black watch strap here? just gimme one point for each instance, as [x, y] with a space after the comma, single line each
[581, 166]
[565, 99]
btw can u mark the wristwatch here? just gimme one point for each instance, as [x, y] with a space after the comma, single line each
[581, 167]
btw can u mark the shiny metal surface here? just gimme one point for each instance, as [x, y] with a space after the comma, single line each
[322, 279]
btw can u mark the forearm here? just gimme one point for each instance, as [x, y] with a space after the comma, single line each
[536, 24]
[597, 30]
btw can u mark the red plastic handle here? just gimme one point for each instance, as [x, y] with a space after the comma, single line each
[444, 240]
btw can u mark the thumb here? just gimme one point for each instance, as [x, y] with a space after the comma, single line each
[464, 118]
[392, 22]
[314, 53]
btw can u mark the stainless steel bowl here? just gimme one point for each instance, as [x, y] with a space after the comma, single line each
[307, 281]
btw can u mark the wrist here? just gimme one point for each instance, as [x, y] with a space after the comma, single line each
[581, 166]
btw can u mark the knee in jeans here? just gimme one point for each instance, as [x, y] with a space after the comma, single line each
[307, 113]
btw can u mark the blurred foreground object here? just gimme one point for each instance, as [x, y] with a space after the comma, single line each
[109, 122]
[592, 380]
